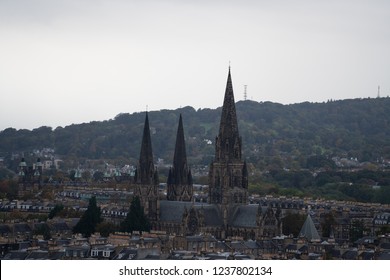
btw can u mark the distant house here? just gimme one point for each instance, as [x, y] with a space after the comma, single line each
[127, 254]
[22, 231]
[60, 228]
[5, 231]
[103, 251]
[16, 255]
[77, 252]
[38, 255]
[381, 220]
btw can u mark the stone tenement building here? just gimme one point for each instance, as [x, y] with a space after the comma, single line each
[227, 213]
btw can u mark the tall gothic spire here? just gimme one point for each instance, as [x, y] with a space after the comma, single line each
[180, 157]
[145, 172]
[228, 174]
[228, 123]
[179, 177]
[229, 146]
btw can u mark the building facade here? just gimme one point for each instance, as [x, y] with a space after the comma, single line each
[227, 212]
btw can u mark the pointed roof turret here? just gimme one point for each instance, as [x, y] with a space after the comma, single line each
[309, 231]
[22, 163]
[146, 170]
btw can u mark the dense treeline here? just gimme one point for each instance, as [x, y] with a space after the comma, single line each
[363, 185]
[274, 136]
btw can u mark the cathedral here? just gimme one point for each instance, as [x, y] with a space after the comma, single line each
[227, 213]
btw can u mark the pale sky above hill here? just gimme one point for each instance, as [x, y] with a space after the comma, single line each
[74, 61]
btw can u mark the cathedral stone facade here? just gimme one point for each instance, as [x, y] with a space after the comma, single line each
[227, 212]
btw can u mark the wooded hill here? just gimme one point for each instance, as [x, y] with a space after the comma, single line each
[273, 135]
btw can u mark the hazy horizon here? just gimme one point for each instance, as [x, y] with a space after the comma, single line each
[65, 62]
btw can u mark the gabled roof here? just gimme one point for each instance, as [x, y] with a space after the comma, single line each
[350, 255]
[22, 228]
[4, 229]
[16, 255]
[60, 226]
[172, 211]
[309, 231]
[38, 255]
[245, 216]
[384, 256]
[126, 254]
[56, 255]
[212, 215]
[367, 255]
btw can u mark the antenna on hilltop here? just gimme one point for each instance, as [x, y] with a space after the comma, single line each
[379, 92]
[245, 92]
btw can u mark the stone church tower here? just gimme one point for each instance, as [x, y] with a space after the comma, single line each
[146, 176]
[179, 183]
[228, 175]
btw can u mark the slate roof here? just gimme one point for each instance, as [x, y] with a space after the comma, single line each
[22, 228]
[385, 246]
[60, 226]
[212, 215]
[126, 254]
[56, 255]
[16, 255]
[252, 244]
[38, 226]
[38, 255]
[367, 255]
[172, 211]
[350, 255]
[267, 244]
[245, 216]
[4, 229]
[309, 231]
[384, 256]
[238, 245]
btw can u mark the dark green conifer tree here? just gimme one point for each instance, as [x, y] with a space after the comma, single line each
[91, 217]
[136, 219]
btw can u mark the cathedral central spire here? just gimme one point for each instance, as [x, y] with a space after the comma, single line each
[229, 147]
[228, 176]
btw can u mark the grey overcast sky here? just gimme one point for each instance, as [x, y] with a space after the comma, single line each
[75, 61]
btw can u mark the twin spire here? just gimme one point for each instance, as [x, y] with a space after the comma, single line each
[146, 172]
[179, 178]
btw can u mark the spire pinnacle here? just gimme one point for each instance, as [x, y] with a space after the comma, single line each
[179, 182]
[180, 156]
[146, 166]
[228, 129]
